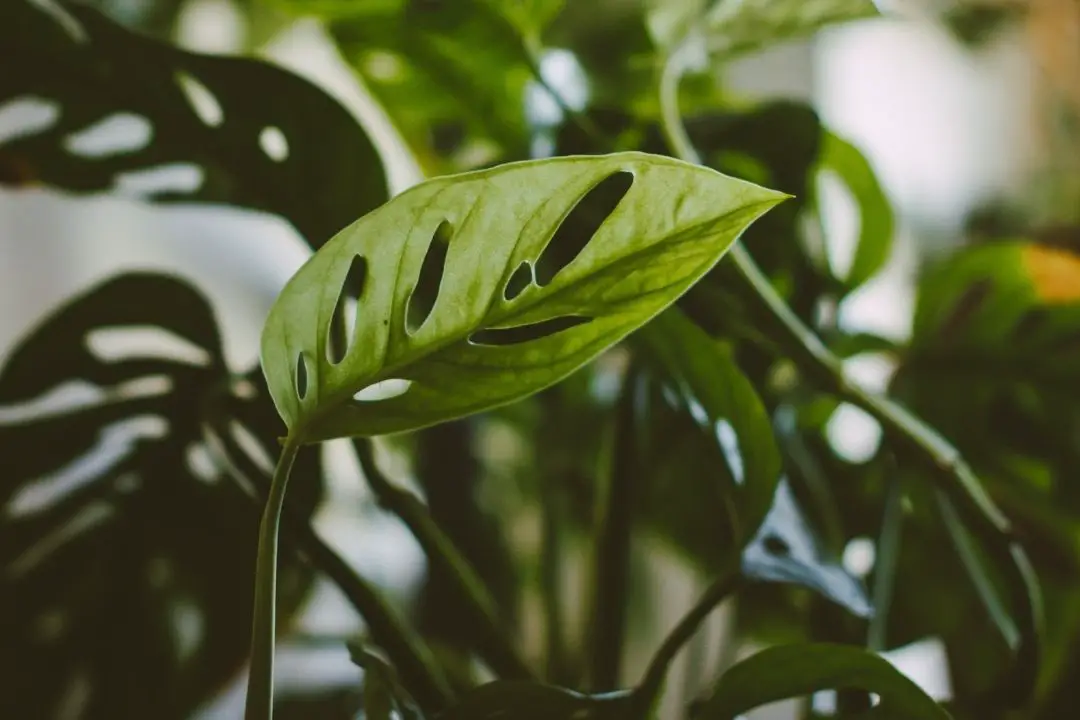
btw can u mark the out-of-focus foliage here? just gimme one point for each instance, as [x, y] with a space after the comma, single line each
[713, 449]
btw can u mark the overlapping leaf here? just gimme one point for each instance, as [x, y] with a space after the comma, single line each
[508, 320]
[126, 550]
[120, 110]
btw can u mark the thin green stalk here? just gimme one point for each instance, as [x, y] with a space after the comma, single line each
[260, 690]
[551, 584]
[649, 689]
[494, 645]
[404, 649]
[611, 565]
[885, 562]
[948, 469]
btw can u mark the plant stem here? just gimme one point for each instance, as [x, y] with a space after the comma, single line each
[493, 645]
[953, 476]
[887, 556]
[404, 649]
[611, 568]
[260, 690]
[648, 690]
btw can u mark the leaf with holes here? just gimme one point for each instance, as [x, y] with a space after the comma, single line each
[785, 550]
[520, 305]
[96, 108]
[790, 671]
[126, 551]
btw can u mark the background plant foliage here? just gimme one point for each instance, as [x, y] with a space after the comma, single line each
[712, 446]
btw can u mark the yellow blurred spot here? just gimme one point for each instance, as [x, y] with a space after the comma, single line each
[1054, 273]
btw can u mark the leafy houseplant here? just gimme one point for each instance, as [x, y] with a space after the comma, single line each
[634, 240]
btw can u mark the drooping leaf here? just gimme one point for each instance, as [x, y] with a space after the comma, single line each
[789, 671]
[874, 244]
[125, 111]
[785, 550]
[724, 404]
[127, 551]
[731, 27]
[507, 321]
[532, 701]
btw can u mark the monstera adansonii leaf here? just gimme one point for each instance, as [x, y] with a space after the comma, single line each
[126, 547]
[104, 110]
[516, 309]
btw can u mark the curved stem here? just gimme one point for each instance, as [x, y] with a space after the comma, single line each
[260, 691]
[648, 690]
[888, 554]
[951, 474]
[493, 644]
[611, 564]
[387, 630]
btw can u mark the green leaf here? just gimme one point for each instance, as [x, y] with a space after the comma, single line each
[786, 550]
[532, 701]
[797, 670]
[874, 245]
[732, 27]
[440, 69]
[530, 17]
[724, 404]
[119, 428]
[517, 309]
[231, 130]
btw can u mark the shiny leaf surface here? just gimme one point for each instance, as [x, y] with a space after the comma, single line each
[518, 307]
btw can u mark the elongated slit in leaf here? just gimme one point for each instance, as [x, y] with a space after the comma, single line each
[580, 224]
[301, 376]
[525, 333]
[426, 291]
[352, 287]
[383, 390]
[521, 279]
[203, 102]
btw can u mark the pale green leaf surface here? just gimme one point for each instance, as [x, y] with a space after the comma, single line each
[673, 225]
[736, 26]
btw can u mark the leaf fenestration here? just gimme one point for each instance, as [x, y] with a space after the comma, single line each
[672, 226]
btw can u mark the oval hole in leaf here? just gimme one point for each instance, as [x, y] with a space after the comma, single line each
[775, 545]
[580, 224]
[344, 315]
[273, 143]
[525, 333]
[113, 344]
[117, 134]
[383, 390]
[426, 291]
[182, 178]
[521, 279]
[301, 376]
[202, 101]
[26, 116]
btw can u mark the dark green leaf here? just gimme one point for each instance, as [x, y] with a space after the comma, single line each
[127, 550]
[507, 320]
[230, 130]
[797, 670]
[724, 404]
